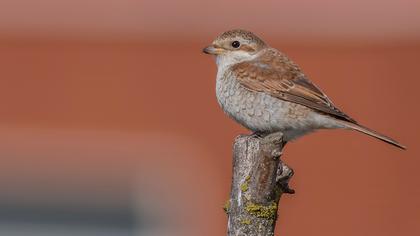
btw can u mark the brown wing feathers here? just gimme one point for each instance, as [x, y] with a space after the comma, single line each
[275, 74]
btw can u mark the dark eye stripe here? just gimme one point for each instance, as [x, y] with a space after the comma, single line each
[247, 48]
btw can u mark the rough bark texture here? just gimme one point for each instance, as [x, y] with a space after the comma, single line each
[259, 180]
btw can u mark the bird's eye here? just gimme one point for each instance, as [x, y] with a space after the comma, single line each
[236, 44]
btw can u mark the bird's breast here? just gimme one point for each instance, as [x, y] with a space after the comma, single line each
[254, 110]
[261, 112]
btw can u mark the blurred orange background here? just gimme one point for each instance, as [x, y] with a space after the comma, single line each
[109, 123]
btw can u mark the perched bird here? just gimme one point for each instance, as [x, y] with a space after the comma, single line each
[263, 90]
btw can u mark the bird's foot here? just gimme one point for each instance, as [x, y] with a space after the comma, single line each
[258, 134]
[275, 143]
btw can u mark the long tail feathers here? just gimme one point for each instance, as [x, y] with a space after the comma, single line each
[372, 133]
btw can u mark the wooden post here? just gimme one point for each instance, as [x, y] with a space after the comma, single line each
[259, 179]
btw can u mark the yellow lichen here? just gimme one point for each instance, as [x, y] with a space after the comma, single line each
[261, 211]
[246, 221]
[245, 185]
[226, 207]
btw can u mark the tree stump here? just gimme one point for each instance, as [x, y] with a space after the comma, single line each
[259, 180]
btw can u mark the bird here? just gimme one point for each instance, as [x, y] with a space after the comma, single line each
[266, 92]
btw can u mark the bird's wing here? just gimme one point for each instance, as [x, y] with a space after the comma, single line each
[273, 73]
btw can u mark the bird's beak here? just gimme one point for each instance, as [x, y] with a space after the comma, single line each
[213, 50]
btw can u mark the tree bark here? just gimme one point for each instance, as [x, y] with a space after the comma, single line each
[259, 179]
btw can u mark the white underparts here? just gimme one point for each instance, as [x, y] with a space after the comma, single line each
[263, 113]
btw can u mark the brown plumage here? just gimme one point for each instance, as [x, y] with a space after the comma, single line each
[275, 74]
[262, 89]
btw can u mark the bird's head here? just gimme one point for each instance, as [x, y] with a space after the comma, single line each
[234, 46]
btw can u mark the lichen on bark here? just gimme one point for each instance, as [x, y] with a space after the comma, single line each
[259, 180]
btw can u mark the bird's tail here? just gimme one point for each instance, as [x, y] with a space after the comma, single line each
[372, 133]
